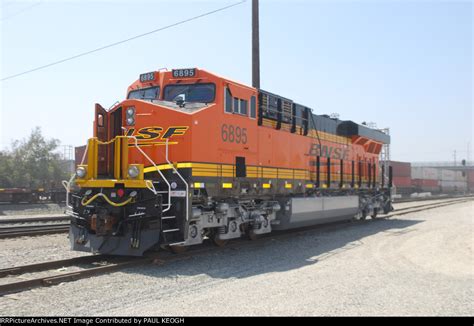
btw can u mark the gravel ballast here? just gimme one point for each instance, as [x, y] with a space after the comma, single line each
[415, 264]
[7, 210]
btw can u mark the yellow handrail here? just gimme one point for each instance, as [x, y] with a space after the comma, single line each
[120, 156]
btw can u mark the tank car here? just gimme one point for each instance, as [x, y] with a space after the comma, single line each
[190, 155]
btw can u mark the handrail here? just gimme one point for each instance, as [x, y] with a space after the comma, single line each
[181, 177]
[158, 170]
[92, 146]
[67, 184]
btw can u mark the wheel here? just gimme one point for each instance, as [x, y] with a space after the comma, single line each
[219, 242]
[374, 214]
[252, 235]
[178, 249]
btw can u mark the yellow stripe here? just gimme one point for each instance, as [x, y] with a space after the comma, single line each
[110, 183]
[228, 171]
[167, 167]
[146, 144]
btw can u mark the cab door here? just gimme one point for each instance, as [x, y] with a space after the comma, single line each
[101, 132]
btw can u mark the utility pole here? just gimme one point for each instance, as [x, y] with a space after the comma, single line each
[468, 152]
[454, 157]
[255, 46]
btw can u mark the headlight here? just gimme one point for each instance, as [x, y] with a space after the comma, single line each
[130, 121]
[81, 172]
[133, 172]
[130, 112]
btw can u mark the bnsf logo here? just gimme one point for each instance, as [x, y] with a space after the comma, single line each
[150, 133]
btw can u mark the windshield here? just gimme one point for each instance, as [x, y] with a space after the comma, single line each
[203, 93]
[151, 93]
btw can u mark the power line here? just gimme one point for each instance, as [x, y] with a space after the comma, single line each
[20, 11]
[124, 41]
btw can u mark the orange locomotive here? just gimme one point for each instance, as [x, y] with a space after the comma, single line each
[190, 155]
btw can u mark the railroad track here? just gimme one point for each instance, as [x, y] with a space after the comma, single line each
[42, 219]
[436, 197]
[44, 229]
[39, 202]
[10, 228]
[32, 230]
[418, 208]
[100, 264]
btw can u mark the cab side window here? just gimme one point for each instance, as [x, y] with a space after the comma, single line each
[253, 107]
[243, 107]
[237, 105]
[227, 100]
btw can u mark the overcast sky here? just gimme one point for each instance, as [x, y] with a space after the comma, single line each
[401, 64]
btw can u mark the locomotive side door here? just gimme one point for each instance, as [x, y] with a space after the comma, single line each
[101, 132]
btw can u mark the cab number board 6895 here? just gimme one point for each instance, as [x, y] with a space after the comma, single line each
[184, 73]
[233, 134]
[149, 76]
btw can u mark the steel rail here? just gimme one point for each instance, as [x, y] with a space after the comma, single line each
[399, 210]
[66, 277]
[32, 230]
[53, 218]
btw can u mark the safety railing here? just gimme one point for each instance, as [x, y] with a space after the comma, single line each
[121, 166]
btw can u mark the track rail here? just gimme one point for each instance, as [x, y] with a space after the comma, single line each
[104, 267]
[32, 230]
[42, 219]
[418, 208]
[35, 230]
[436, 197]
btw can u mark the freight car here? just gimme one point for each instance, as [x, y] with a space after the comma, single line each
[409, 179]
[439, 180]
[190, 156]
[20, 195]
[402, 181]
[32, 195]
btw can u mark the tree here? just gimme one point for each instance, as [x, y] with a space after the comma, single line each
[31, 162]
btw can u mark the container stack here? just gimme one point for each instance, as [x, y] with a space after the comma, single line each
[425, 179]
[452, 181]
[401, 176]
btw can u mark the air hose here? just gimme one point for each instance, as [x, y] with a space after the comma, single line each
[86, 201]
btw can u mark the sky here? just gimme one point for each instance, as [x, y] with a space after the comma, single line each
[402, 64]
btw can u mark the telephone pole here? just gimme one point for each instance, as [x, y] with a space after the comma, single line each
[468, 153]
[255, 46]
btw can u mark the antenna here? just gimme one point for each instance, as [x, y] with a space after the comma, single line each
[372, 125]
